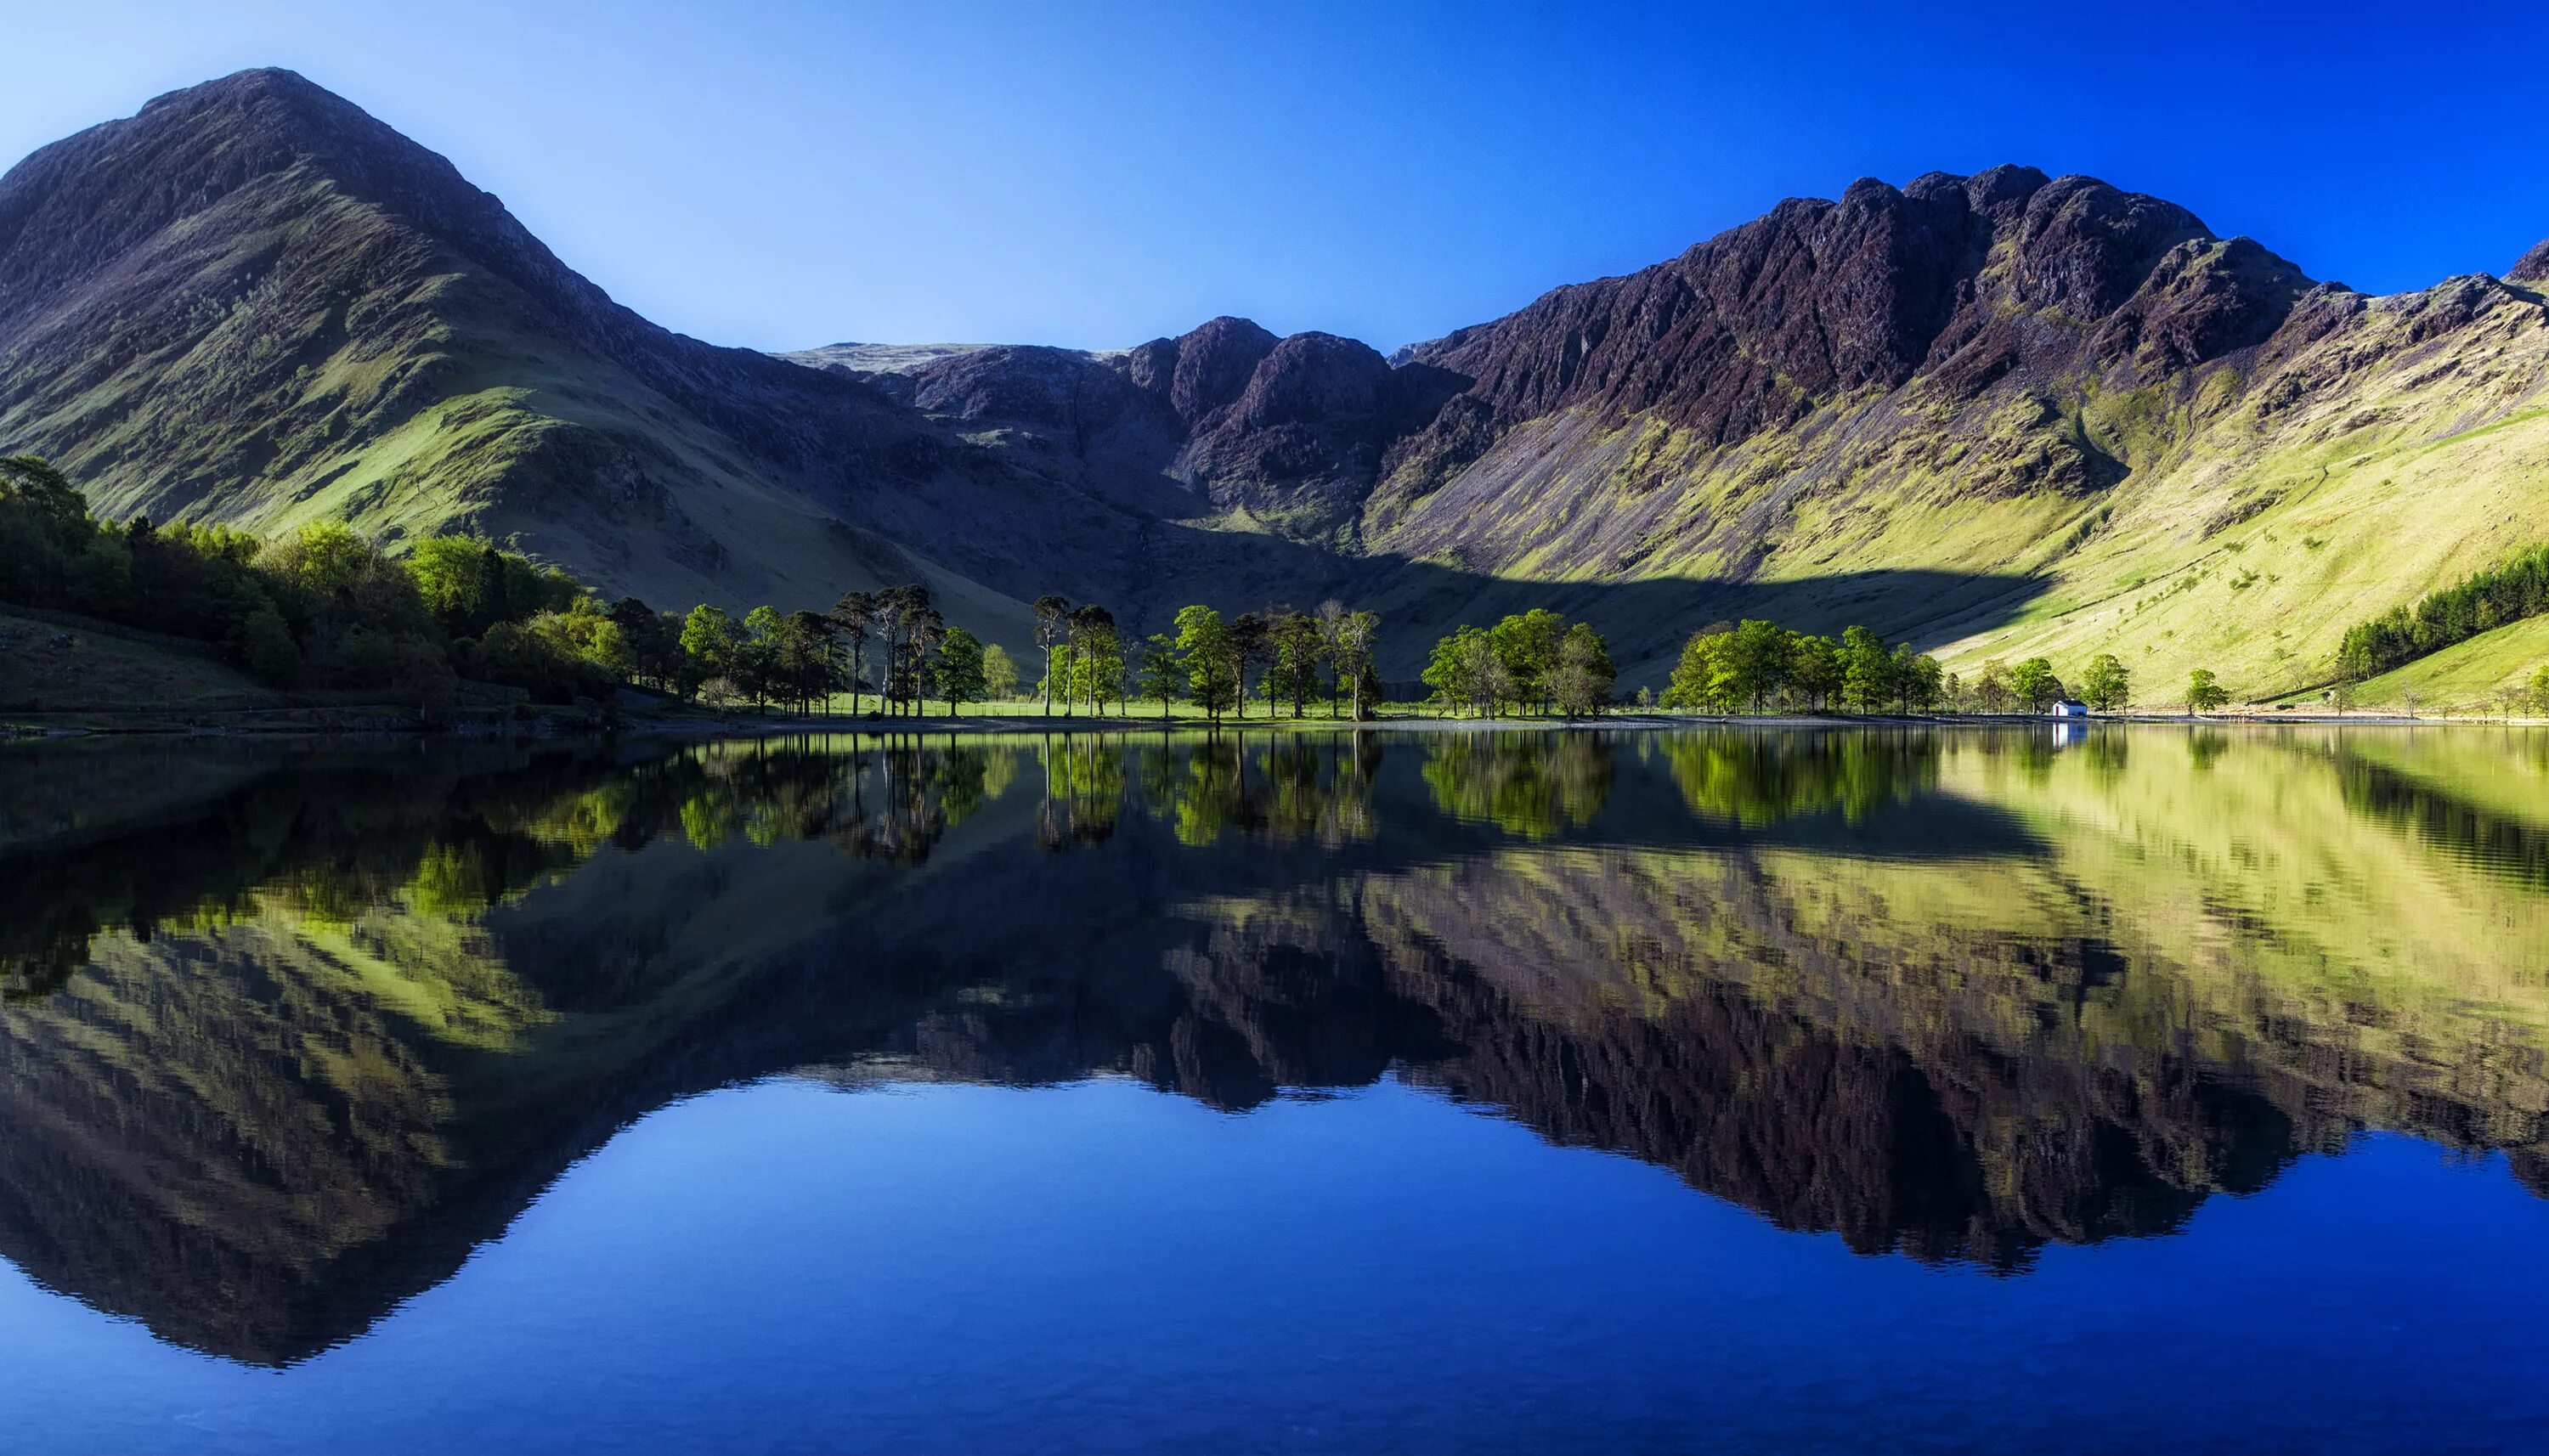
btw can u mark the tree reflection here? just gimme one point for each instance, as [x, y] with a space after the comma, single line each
[1759, 779]
[1534, 784]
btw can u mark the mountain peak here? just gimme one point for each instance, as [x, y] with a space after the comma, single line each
[2534, 266]
[260, 80]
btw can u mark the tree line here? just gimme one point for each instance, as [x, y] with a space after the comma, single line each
[1757, 667]
[1534, 658]
[2479, 602]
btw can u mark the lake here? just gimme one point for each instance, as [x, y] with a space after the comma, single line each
[1724, 1089]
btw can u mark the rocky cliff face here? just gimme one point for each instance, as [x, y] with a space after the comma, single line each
[1288, 433]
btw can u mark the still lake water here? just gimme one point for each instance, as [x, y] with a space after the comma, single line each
[1720, 1089]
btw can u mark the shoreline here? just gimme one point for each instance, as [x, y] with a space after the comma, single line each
[562, 724]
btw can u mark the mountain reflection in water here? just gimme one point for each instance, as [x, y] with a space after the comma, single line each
[290, 1029]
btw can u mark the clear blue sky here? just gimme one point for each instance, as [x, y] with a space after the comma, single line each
[1095, 174]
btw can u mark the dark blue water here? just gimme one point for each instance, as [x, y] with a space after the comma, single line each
[1638, 1123]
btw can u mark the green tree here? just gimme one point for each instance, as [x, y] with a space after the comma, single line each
[2034, 684]
[1204, 650]
[1159, 678]
[1526, 645]
[1352, 639]
[1080, 629]
[2205, 692]
[1582, 679]
[963, 668]
[32, 480]
[1992, 691]
[756, 667]
[709, 639]
[1098, 667]
[1918, 681]
[1867, 670]
[1000, 674]
[1814, 671]
[1466, 671]
[2107, 687]
[1757, 660]
[1295, 650]
[1701, 680]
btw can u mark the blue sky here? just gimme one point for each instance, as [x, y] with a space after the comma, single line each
[1095, 174]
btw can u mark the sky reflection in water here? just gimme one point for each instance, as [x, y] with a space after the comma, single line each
[1256, 1094]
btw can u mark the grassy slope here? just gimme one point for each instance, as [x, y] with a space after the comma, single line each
[442, 408]
[98, 671]
[2467, 673]
[2271, 501]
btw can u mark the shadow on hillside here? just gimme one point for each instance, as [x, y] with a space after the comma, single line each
[1645, 622]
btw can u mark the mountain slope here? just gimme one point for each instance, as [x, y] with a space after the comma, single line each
[253, 303]
[2191, 454]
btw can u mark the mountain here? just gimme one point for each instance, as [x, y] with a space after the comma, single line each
[253, 303]
[1995, 414]
[2000, 414]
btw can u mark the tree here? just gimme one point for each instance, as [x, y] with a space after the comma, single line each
[2034, 684]
[1580, 681]
[963, 668]
[2107, 687]
[1814, 671]
[1000, 674]
[1098, 667]
[855, 616]
[32, 480]
[1992, 693]
[806, 667]
[1466, 670]
[1526, 645]
[1867, 670]
[2205, 692]
[924, 630]
[755, 667]
[1755, 661]
[1918, 681]
[1158, 677]
[1082, 628]
[908, 628]
[1050, 614]
[1296, 649]
[1211, 666]
[1247, 647]
[1701, 678]
[710, 640]
[1350, 639]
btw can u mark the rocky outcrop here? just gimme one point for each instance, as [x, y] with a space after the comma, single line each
[1291, 432]
[2533, 266]
[1956, 281]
